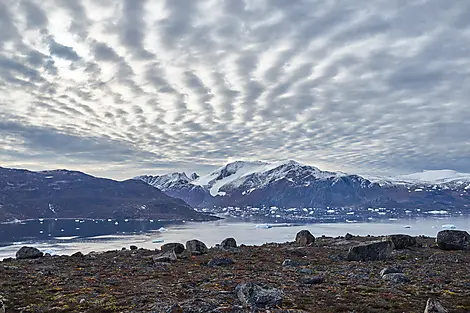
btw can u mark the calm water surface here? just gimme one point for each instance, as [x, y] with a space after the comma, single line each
[70, 236]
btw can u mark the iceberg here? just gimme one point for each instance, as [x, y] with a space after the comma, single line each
[263, 226]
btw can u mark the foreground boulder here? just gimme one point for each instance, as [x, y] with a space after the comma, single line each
[453, 240]
[2, 305]
[167, 256]
[196, 247]
[304, 238]
[251, 294]
[173, 246]
[29, 253]
[401, 241]
[374, 251]
[228, 244]
[434, 306]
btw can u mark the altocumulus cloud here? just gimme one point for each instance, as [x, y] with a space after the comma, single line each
[120, 88]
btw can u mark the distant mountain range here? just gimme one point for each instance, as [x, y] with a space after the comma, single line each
[291, 184]
[69, 194]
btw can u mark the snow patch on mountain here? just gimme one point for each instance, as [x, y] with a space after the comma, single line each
[436, 176]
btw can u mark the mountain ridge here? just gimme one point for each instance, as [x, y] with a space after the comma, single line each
[290, 183]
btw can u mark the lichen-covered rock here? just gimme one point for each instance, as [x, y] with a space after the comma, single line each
[196, 247]
[220, 262]
[453, 240]
[398, 278]
[304, 238]
[401, 241]
[374, 251]
[29, 253]
[258, 297]
[434, 306]
[228, 244]
[168, 256]
[173, 246]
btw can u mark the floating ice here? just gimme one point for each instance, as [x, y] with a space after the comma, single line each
[77, 221]
[116, 223]
[151, 221]
[407, 226]
[41, 219]
[448, 226]
[110, 220]
[126, 220]
[162, 229]
[158, 241]
[41, 231]
[263, 226]
[436, 212]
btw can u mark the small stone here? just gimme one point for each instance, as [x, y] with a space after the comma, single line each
[390, 270]
[398, 278]
[289, 262]
[228, 244]
[196, 247]
[304, 238]
[434, 306]
[82, 301]
[348, 236]
[28, 253]
[306, 271]
[220, 262]
[175, 246]
[258, 297]
[176, 308]
[133, 248]
[313, 280]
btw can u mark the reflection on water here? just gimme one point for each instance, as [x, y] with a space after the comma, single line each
[69, 236]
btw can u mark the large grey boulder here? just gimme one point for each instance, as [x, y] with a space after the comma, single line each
[29, 253]
[373, 251]
[228, 244]
[453, 240]
[401, 241]
[258, 297]
[304, 238]
[196, 247]
[434, 306]
[173, 246]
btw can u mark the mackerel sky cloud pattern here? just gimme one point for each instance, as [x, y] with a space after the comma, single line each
[128, 87]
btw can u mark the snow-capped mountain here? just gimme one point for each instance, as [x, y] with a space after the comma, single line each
[291, 184]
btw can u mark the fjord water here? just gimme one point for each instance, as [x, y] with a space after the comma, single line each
[69, 236]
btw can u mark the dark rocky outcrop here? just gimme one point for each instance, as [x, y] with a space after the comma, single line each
[453, 240]
[374, 251]
[29, 253]
[196, 247]
[401, 241]
[258, 297]
[173, 246]
[434, 306]
[304, 238]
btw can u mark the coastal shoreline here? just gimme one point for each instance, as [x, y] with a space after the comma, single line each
[312, 277]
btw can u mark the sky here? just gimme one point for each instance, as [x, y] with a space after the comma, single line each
[119, 88]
